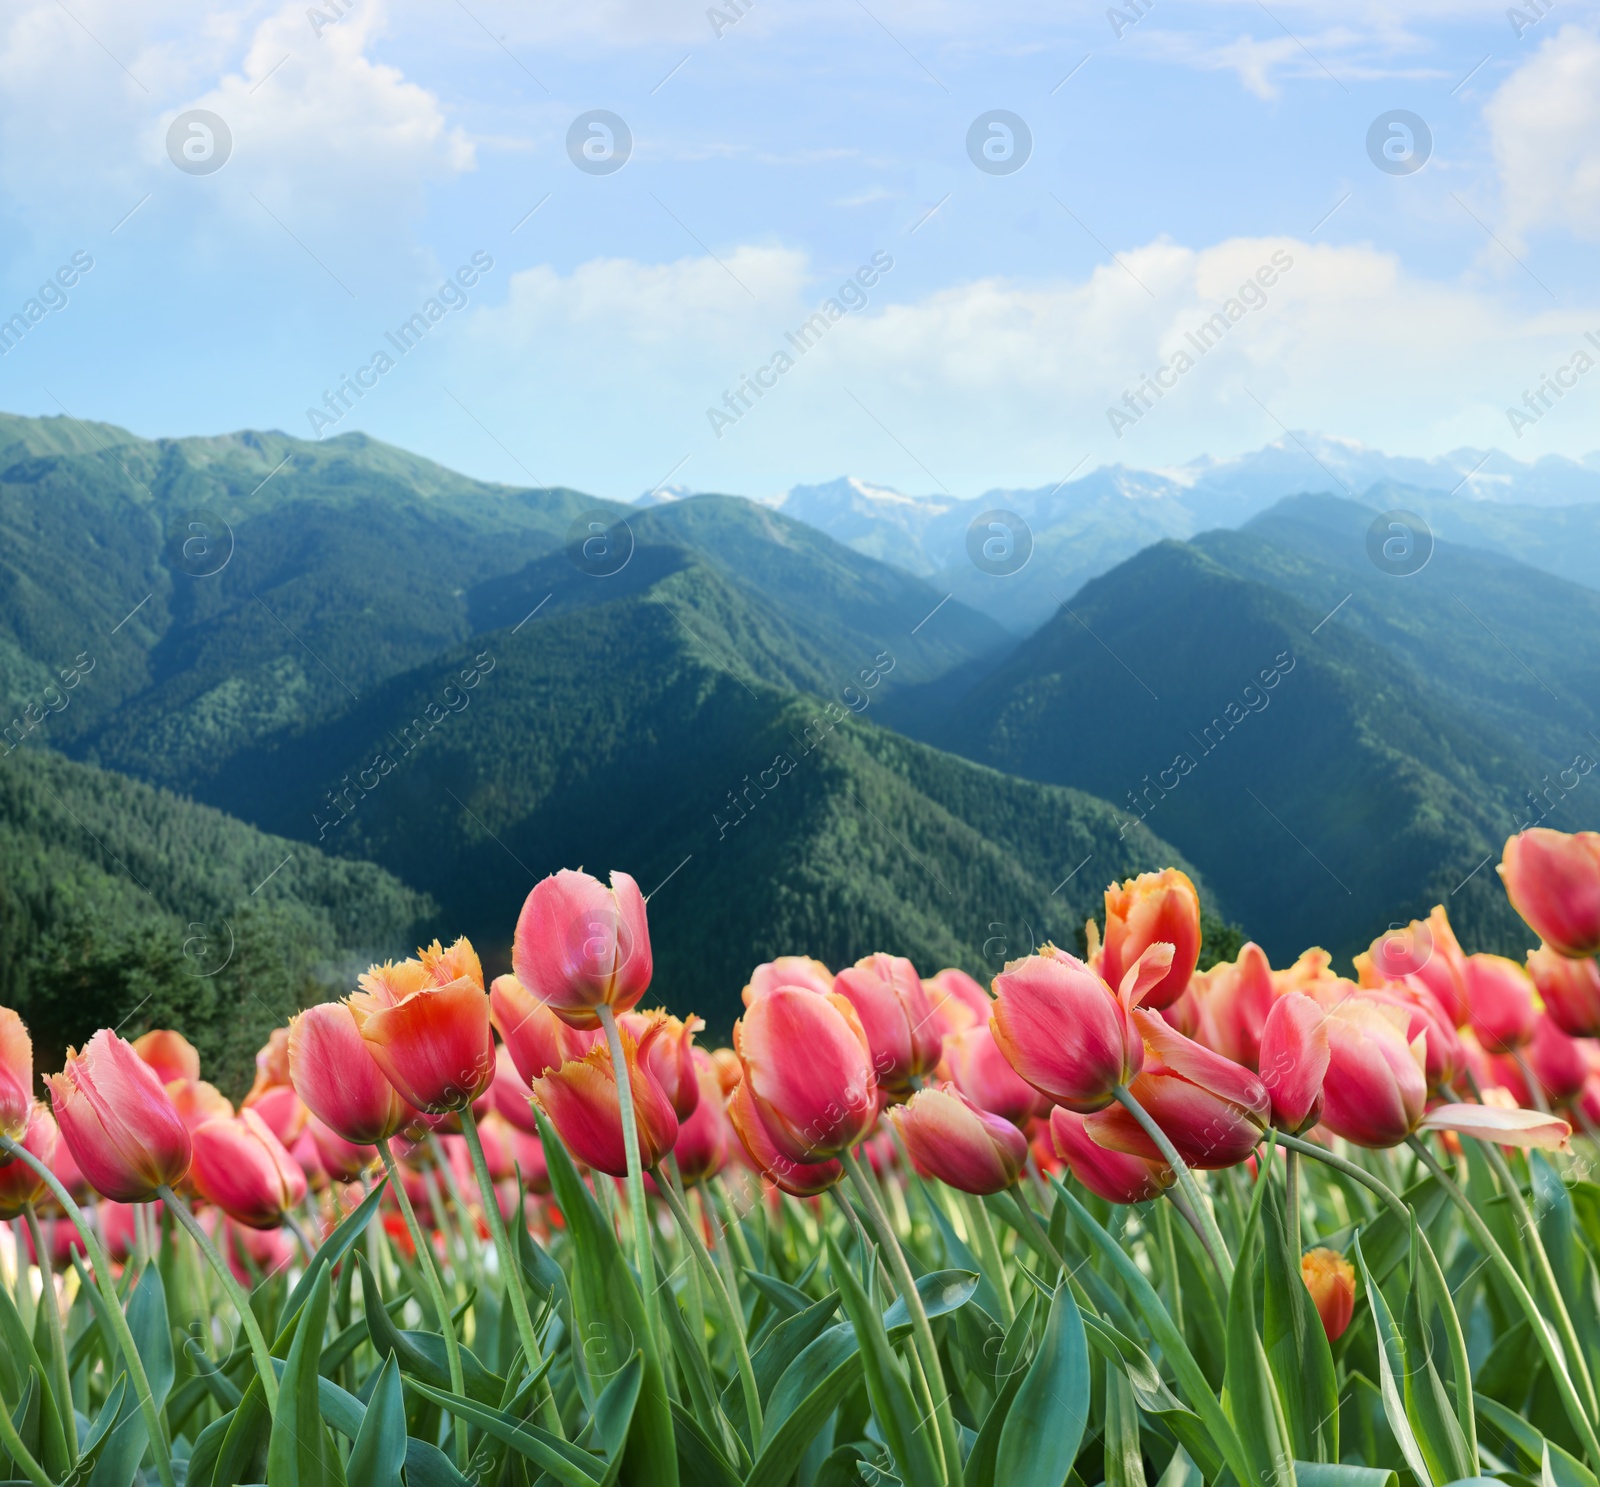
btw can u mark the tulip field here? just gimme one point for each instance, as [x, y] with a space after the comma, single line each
[1109, 1219]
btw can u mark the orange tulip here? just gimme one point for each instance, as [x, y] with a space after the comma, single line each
[901, 1029]
[1154, 908]
[1331, 1280]
[16, 1075]
[702, 1147]
[1113, 1175]
[580, 1099]
[334, 1073]
[19, 1183]
[426, 1024]
[808, 1072]
[671, 1055]
[980, 1071]
[1553, 881]
[949, 1138]
[124, 1133]
[241, 1167]
[729, 1070]
[170, 1054]
[788, 970]
[580, 946]
[801, 1179]
[196, 1101]
[1570, 990]
[1500, 1002]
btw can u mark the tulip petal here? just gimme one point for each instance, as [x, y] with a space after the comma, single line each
[1525, 1128]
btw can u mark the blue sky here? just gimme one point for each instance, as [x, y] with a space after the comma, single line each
[376, 147]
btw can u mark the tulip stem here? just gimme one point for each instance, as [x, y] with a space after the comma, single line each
[435, 1289]
[1203, 1218]
[236, 1294]
[1536, 1323]
[731, 1315]
[927, 1348]
[58, 1336]
[644, 1253]
[982, 1227]
[510, 1269]
[155, 1429]
[1291, 1201]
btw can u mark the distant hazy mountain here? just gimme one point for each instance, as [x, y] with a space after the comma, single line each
[1546, 512]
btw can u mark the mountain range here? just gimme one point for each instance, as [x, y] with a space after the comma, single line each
[385, 699]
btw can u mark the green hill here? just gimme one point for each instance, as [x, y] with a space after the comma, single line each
[1348, 794]
[123, 906]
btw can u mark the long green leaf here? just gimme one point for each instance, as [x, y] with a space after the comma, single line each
[562, 1460]
[379, 1451]
[298, 1448]
[1044, 1426]
[1392, 1365]
[1124, 1452]
[1428, 1404]
[1297, 1347]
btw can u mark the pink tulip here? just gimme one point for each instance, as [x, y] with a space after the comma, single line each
[536, 1038]
[16, 1075]
[196, 1101]
[788, 970]
[1570, 990]
[170, 1054]
[1560, 1063]
[527, 1156]
[1553, 881]
[901, 1029]
[980, 1071]
[808, 1072]
[512, 1098]
[261, 1251]
[1112, 1175]
[243, 1168]
[125, 1135]
[949, 1138]
[282, 1111]
[1500, 1002]
[1065, 1031]
[801, 1179]
[1152, 909]
[19, 1183]
[957, 1001]
[702, 1149]
[1232, 1003]
[580, 946]
[1376, 1086]
[671, 1056]
[342, 1160]
[272, 1064]
[581, 1100]
[334, 1074]
[1446, 1054]
[1294, 1061]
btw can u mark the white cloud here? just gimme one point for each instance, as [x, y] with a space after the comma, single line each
[1545, 126]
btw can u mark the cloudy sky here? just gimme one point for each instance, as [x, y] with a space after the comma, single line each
[1159, 157]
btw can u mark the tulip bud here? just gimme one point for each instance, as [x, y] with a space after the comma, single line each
[429, 1036]
[272, 1064]
[1154, 908]
[788, 970]
[808, 1072]
[801, 1179]
[581, 1100]
[16, 1075]
[980, 1071]
[535, 1037]
[197, 1102]
[1553, 881]
[343, 1161]
[949, 1138]
[1294, 1061]
[580, 946]
[124, 1133]
[1376, 1086]
[1331, 1280]
[334, 1074]
[1558, 1062]
[1113, 1175]
[1064, 1030]
[240, 1166]
[1570, 990]
[1232, 1003]
[1500, 1002]
[901, 1029]
[19, 1183]
[170, 1054]
[702, 1149]
[957, 1001]
[671, 1056]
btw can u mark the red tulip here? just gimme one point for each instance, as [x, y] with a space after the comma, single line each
[802, 1179]
[808, 1072]
[1294, 1061]
[580, 1098]
[426, 1025]
[1331, 1280]
[979, 1070]
[1560, 1063]
[1065, 1031]
[125, 1135]
[1570, 990]
[702, 1149]
[16, 1075]
[1500, 1002]
[901, 1029]
[949, 1138]
[671, 1056]
[19, 1183]
[1376, 1085]
[788, 970]
[1211, 1109]
[335, 1075]
[1154, 908]
[1232, 1003]
[957, 1001]
[243, 1168]
[512, 1098]
[1553, 881]
[1113, 1175]
[580, 946]
[343, 1161]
